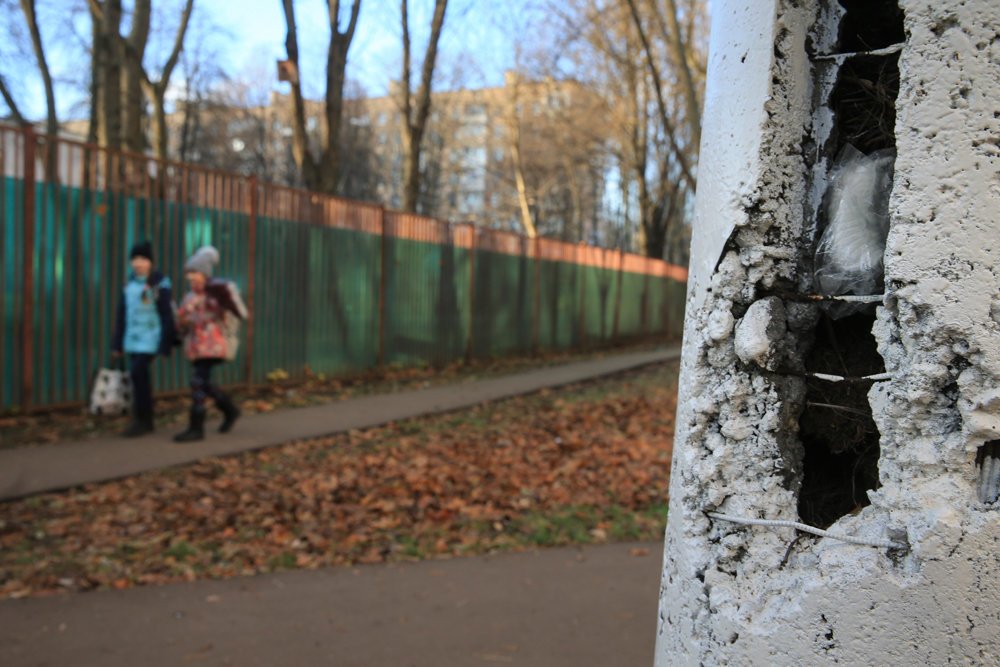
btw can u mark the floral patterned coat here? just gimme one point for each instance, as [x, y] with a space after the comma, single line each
[210, 321]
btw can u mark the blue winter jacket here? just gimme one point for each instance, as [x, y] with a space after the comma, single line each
[145, 320]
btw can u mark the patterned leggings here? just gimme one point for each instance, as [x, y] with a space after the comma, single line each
[201, 383]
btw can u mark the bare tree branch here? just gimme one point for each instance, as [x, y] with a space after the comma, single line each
[676, 40]
[11, 104]
[654, 71]
[52, 122]
[415, 125]
[300, 141]
[156, 90]
[405, 80]
[175, 53]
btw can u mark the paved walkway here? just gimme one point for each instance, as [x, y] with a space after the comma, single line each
[589, 607]
[28, 470]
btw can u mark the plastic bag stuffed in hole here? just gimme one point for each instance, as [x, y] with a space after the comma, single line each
[849, 255]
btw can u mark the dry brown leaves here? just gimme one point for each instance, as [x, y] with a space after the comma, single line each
[71, 425]
[441, 486]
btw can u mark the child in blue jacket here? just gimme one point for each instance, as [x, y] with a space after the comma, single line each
[144, 328]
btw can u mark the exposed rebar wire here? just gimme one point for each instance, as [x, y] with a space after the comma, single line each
[837, 407]
[849, 298]
[769, 523]
[846, 298]
[878, 377]
[886, 51]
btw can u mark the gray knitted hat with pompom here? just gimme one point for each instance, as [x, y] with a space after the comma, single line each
[203, 261]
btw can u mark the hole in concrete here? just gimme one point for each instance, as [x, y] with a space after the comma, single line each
[988, 462]
[870, 24]
[864, 103]
[839, 436]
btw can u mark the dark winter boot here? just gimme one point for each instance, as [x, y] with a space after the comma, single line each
[140, 426]
[230, 413]
[196, 428]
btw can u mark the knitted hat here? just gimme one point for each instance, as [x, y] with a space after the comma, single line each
[203, 260]
[142, 249]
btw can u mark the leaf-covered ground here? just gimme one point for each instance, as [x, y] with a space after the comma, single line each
[583, 464]
[68, 425]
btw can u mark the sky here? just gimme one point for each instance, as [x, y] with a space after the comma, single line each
[245, 38]
[472, 31]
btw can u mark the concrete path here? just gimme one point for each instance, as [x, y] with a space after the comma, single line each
[589, 607]
[28, 470]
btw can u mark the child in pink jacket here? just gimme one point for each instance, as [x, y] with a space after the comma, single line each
[208, 317]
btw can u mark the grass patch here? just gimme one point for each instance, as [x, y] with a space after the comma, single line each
[588, 525]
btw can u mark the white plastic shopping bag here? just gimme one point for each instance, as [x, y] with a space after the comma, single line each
[111, 393]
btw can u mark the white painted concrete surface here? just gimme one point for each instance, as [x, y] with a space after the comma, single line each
[729, 595]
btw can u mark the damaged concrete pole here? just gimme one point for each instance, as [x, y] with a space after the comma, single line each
[899, 463]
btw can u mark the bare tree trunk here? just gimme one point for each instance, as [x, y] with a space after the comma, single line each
[300, 140]
[514, 130]
[336, 65]
[95, 83]
[576, 198]
[132, 76]
[108, 55]
[639, 136]
[522, 189]
[322, 173]
[156, 91]
[654, 71]
[416, 113]
[160, 134]
[51, 119]
[680, 49]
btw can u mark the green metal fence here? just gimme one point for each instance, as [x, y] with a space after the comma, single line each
[334, 287]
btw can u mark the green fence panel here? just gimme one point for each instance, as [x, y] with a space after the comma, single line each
[11, 290]
[411, 297]
[504, 304]
[426, 304]
[342, 279]
[281, 314]
[599, 304]
[630, 318]
[559, 307]
[317, 292]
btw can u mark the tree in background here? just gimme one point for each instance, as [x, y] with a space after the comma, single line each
[556, 139]
[616, 165]
[672, 39]
[156, 89]
[320, 172]
[31, 17]
[120, 79]
[648, 60]
[416, 108]
[22, 29]
[360, 174]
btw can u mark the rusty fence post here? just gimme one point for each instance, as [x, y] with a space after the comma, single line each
[472, 292]
[254, 194]
[536, 333]
[618, 296]
[383, 268]
[28, 295]
[578, 285]
[645, 302]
